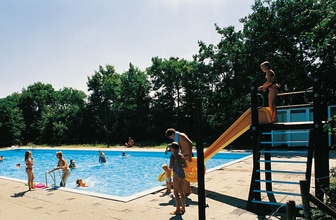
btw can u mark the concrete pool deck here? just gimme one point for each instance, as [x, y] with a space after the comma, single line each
[226, 195]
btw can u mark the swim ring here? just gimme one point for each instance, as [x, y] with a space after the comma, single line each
[162, 176]
[190, 171]
[39, 185]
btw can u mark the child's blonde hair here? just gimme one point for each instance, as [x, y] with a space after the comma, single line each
[164, 165]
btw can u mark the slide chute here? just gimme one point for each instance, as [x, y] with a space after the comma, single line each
[238, 128]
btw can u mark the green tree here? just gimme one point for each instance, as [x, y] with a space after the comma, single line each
[167, 77]
[134, 103]
[322, 43]
[104, 86]
[11, 120]
[223, 68]
[297, 37]
[33, 102]
[62, 121]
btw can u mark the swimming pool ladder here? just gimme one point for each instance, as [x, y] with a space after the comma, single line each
[52, 176]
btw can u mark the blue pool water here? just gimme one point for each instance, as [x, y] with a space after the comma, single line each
[120, 176]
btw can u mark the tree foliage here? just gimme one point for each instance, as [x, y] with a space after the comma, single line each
[297, 37]
[12, 123]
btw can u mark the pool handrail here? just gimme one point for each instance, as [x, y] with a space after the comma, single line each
[52, 177]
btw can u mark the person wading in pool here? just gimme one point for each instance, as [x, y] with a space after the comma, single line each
[102, 157]
[185, 146]
[62, 164]
[177, 163]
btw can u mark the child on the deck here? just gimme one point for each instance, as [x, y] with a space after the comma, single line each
[177, 163]
[29, 169]
[167, 172]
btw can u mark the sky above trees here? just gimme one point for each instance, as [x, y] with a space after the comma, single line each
[63, 42]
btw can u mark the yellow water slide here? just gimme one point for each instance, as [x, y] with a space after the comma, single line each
[238, 128]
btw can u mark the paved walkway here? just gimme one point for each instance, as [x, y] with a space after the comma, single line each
[226, 195]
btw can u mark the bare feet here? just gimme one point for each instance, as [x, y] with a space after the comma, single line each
[177, 212]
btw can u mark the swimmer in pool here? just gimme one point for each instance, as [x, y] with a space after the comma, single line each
[102, 157]
[72, 164]
[80, 182]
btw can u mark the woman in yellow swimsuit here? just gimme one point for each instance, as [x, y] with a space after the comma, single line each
[29, 169]
[62, 164]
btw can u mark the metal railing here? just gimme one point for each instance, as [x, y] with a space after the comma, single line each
[52, 175]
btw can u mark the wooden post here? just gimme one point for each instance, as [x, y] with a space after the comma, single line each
[321, 150]
[200, 161]
[254, 129]
[304, 188]
[291, 210]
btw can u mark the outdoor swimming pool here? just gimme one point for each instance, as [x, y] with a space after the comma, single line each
[120, 176]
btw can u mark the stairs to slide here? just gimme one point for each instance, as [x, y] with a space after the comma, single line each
[278, 170]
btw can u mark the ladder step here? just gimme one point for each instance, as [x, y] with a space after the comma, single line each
[281, 161]
[280, 171]
[283, 152]
[277, 192]
[277, 181]
[282, 142]
[286, 132]
[272, 203]
[268, 203]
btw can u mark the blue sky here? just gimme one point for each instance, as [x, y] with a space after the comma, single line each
[62, 42]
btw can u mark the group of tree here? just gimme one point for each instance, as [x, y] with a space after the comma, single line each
[297, 37]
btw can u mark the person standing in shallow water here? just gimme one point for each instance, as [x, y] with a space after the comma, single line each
[102, 157]
[62, 164]
[72, 164]
[272, 87]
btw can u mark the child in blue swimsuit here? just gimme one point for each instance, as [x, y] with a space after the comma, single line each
[177, 163]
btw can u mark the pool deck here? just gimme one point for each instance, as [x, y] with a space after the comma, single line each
[226, 195]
